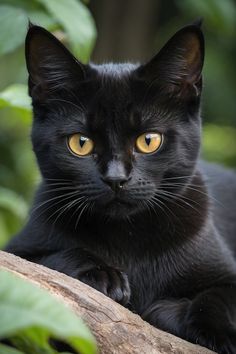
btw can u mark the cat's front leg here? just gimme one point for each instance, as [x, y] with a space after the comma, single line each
[108, 280]
[208, 320]
[80, 264]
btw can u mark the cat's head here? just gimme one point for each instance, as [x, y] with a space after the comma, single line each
[116, 133]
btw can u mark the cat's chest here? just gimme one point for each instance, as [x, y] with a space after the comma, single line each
[138, 254]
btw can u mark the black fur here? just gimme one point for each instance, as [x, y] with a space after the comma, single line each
[160, 245]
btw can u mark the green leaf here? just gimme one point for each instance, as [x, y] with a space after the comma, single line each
[5, 349]
[78, 23]
[41, 18]
[34, 11]
[223, 152]
[31, 314]
[3, 231]
[14, 22]
[16, 97]
[220, 15]
[13, 202]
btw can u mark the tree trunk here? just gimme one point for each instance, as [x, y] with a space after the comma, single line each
[126, 29]
[116, 329]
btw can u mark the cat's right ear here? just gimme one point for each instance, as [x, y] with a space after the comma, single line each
[50, 65]
[177, 68]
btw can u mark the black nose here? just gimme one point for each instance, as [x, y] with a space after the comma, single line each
[115, 183]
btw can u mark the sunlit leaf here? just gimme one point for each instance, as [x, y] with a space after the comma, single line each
[77, 22]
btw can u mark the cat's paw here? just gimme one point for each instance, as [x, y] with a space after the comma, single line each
[108, 280]
[222, 342]
[214, 332]
[207, 323]
[211, 322]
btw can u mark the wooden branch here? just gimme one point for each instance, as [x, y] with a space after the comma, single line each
[116, 329]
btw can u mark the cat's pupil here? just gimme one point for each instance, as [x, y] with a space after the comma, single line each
[148, 140]
[82, 141]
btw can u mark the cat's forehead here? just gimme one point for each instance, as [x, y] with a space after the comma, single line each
[112, 82]
[114, 70]
[116, 103]
[112, 93]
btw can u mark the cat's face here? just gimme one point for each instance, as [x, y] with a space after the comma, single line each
[117, 133]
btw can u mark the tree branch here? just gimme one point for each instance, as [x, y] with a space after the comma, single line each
[116, 329]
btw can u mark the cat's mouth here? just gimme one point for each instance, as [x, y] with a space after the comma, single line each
[117, 206]
[118, 200]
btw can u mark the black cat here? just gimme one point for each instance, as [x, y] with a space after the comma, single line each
[124, 205]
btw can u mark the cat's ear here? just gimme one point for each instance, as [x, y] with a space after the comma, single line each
[177, 67]
[50, 65]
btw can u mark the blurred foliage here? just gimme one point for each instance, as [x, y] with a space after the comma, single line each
[219, 144]
[69, 16]
[219, 69]
[30, 317]
[72, 23]
[219, 26]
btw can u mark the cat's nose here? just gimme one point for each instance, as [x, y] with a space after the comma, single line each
[115, 183]
[115, 176]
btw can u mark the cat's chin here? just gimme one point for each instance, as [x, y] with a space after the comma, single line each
[119, 209]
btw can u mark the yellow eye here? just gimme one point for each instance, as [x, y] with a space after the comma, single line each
[80, 144]
[148, 142]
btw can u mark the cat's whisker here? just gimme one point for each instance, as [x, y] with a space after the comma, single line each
[58, 184]
[151, 207]
[57, 179]
[172, 221]
[147, 203]
[86, 203]
[52, 199]
[59, 189]
[66, 101]
[181, 184]
[179, 196]
[63, 208]
[50, 207]
[62, 198]
[80, 202]
[69, 206]
[91, 208]
[155, 203]
[174, 197]
[208, 195]
[157, 200]
[178, 177]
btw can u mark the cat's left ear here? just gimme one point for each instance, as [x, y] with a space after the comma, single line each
[50, 65]
[178, 66]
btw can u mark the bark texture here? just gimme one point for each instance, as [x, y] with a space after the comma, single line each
[116, 329]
